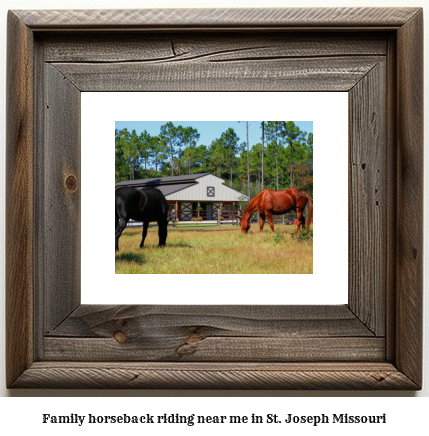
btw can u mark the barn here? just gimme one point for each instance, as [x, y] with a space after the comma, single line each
[194, 196]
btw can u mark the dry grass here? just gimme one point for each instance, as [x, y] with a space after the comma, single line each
[215, 250]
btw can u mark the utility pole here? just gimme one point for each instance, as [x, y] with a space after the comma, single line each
[248, 159]
[262, 175]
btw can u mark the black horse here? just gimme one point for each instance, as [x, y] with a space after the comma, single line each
[146, 205]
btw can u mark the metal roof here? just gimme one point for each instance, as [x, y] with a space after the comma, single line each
[170, 189]
[172, 184]
[159, 181]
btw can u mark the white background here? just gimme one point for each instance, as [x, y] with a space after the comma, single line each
[327, 285]
[408, 415]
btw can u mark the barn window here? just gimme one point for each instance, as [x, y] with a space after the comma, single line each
[210, 191]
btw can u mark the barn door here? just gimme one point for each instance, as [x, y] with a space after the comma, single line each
[186, 211]
[216, 208]
[209, 212]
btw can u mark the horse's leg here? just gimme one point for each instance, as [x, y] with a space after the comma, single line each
[162, 232]
[300, 218]
[144, 234]
[270, 220]
[303, 221]
[261, 221]
[122, 223]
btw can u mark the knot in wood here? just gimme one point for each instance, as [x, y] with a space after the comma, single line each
[193, 338]
[120, 337]
[71, 183]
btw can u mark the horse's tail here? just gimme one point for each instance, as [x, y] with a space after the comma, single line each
[309, 213]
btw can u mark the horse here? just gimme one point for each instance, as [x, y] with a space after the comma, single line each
[146, 205]
[269, 203]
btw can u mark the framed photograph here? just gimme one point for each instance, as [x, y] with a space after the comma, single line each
[205, 247]
[373, 341]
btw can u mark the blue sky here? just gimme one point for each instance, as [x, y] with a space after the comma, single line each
[209, 130]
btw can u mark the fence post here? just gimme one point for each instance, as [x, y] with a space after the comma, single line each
[219, 214]
[173, 217]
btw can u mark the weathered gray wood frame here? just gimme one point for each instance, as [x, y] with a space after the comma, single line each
[374, 342]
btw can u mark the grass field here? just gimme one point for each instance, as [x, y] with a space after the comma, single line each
[215, 250]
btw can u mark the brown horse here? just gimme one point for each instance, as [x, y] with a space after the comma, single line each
[269, 203]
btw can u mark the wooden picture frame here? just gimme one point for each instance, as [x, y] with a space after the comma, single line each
[373, 342]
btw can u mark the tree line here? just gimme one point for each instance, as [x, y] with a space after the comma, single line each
[283, 158]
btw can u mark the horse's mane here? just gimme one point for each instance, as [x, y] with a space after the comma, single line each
[251, 206]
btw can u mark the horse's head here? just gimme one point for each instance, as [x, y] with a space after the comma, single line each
[245, 225]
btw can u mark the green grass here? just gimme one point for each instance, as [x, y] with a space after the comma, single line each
[215, 250]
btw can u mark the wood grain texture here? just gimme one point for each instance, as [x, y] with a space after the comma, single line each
[99, 321]
[391, 192]
[111, 375]
[374, 343]
[19, 200]
[208, 18]
[177, 47]
[228, 62]
[213, 333]
[409, 253]
[330, 74]
[192, 348]
[61, 185]
[368, 173]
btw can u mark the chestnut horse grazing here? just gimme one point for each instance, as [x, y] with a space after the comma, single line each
[269, 203]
